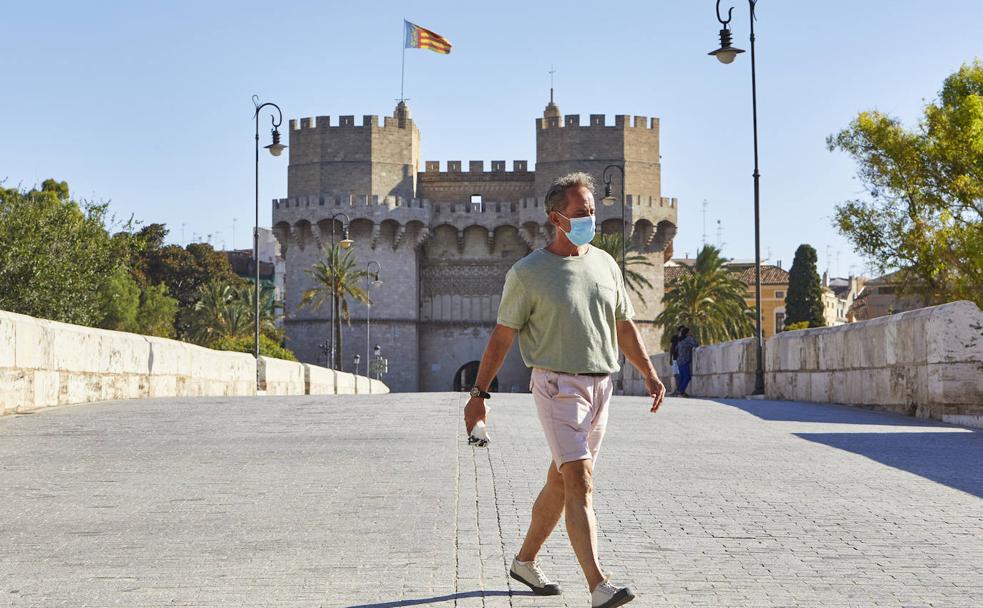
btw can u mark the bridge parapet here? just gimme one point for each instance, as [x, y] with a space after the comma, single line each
[926, 363]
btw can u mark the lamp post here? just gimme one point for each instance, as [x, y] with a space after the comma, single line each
[275, 148]
[377, 351]
[375, 282]
[355, 361]
[326, 351]
[345, 244]
[726, 54]
[609, 200]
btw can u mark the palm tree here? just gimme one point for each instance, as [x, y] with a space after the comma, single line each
[709, 299]
[268, 306]
[634, 280]
[223, 311]
[219, 312]
[341, 273]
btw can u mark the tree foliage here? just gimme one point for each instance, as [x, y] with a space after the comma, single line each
[634, 261]
[341, 275]
[924, 215]
[804, 300]
[55, 254]
[709, 299]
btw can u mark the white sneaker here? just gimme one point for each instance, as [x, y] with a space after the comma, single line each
[529, 573]
[607, 595]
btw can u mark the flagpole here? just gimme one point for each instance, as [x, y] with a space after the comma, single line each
[402, 70]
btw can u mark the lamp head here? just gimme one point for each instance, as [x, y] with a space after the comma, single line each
[726, 53]
[276, 148]
[376, 281]
[346, 243]
[357, 359]
[377, 350]
[608, 199]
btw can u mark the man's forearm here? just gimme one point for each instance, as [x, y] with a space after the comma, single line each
[630, 341]
[491, 361]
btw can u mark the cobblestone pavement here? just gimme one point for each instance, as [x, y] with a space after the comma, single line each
[378, 502]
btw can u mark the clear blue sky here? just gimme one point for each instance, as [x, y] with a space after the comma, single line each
[147, 104]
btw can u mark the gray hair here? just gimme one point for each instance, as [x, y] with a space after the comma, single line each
[556, 196]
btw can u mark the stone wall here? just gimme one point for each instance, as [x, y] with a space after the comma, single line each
[926, 363]
[45, 363]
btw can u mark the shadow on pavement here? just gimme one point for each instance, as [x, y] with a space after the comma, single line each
[443, 598]
[793, 411]
[948, 458]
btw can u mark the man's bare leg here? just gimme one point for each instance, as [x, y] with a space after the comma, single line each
[581, 523]
[546, 513]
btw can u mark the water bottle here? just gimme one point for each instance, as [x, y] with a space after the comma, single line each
[479, 435]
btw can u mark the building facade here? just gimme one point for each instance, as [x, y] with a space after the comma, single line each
[445, 236]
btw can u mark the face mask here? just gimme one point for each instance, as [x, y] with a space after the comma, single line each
[581, 229]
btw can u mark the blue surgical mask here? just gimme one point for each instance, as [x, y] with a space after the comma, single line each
[582, 229]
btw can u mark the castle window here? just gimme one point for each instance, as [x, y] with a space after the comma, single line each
[476, 204]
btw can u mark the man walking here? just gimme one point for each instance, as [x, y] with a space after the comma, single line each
[568, 305]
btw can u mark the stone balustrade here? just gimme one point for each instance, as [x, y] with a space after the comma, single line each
[926, 363]
[46, 363]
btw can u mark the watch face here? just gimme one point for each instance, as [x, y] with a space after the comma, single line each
[475, 391]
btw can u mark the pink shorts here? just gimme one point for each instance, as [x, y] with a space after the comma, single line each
[573, 411]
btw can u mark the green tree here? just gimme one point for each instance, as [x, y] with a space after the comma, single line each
[157, 312]
[55, 254]
[924, 215]
[186, 271]
[634, 259]
[119, 301]
[804, 300]
[226, 312]
[709, 299]
[268, 347]
[219, 312]
[341, 274]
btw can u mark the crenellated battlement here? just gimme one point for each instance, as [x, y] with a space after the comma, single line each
[369, 121]
[598, 121]
[350, 201]
[476, 166]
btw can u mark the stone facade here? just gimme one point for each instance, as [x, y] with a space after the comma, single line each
[445, 236]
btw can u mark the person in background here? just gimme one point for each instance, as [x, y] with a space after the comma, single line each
[684, 350]
[673, 355]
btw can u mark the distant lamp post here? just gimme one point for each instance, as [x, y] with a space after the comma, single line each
[275, 148]
[608, 200]
[375, 282]
[326, 351]
[344, 244]
[379, 365]
[355, 361]
[726, 54]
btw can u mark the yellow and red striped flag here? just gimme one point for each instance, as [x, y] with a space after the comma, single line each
[421, 38]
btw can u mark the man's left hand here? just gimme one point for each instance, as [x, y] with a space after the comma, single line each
[656, 390]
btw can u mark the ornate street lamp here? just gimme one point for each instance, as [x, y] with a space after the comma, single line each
[726, 54]
[355, 361]
[375, 282]
[609, 200]
[606, 176]
[275, 148]
[344, 244]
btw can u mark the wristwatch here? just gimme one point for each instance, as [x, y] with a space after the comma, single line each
[477, 392]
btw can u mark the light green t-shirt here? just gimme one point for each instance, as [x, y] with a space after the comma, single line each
[565, 309]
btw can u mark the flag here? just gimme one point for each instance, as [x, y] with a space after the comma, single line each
[421, 38]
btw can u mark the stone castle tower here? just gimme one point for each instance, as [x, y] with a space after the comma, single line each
[445, 238]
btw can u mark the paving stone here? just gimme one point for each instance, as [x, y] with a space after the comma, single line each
[378, 501]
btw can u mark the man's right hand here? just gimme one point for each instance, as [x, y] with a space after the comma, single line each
[473, 412]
